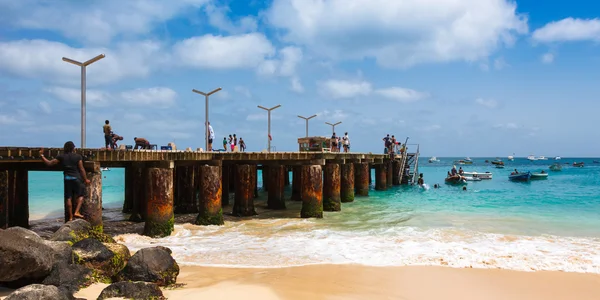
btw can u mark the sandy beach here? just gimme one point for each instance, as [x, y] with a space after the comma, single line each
[334, 282]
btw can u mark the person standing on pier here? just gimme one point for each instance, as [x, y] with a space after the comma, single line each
[74, 177]
[211, 137]
[235, 142]
[346, 141]
[107, 135]
[242, 145]
[225, 144]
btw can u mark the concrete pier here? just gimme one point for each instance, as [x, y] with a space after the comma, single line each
[186, 184]
[225, 177]
[312, 192]
[332, 188]
[138, 193]
[245, 176]
[380, 177]
[210, 208]
[276, 183]
[347, 183]
[265, 178]
[296, 183]
[91, 208]
[128, 203]
[396, 165]
[390, 171]
[159, 211]
[361, 179]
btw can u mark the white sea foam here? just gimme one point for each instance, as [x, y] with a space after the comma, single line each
[283, 243]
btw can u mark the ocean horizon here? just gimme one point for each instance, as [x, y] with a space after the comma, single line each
[551, 224]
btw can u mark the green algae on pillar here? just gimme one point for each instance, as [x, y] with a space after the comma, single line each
[159, 211]
[347, 183]
[381, 177]
[245, 176]
[210, 210]
[91, 208]
[296, 183]
[332, 188]
[276, 178]
[312, 192]
[361, 179]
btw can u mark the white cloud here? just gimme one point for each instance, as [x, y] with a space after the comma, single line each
[224, 52]
[24, 58]
[489, 103]
[45, 107]
[159, 97]
[399, 33]
[284, 65]
[6, 120]
[401, 94]
[73, 96]
[217, 17]
[52, 128]
[345, 89]
[93, 21]
[332, 116]
[500, 63]
[569, 29]
[296, 85]
[548, 58]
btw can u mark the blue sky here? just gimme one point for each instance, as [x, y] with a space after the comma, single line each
[461, 78]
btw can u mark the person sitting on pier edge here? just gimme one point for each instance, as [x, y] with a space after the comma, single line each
[107, 135]
[211, 137]
[421, 181]
[74, 177]
[242, 145]
[115, 137]
[142, 143]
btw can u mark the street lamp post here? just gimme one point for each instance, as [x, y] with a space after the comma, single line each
[206, 112]
[306, 119]
[333, 126]
[83, 66]
[269, 113]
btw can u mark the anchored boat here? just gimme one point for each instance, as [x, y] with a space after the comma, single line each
[456, 180]
[486, 175]
[578, 164]
[555, 167]
[540, 175]
[520, 176]
[433, 159]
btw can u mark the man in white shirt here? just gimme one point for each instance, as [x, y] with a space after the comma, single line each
[211, 137]
[346, 141]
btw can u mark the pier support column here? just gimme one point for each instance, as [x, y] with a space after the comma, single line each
[347, 183]
[225, 185]
[245, 176]
[381, 177]
[388, 167]
[396, 172]
[265, 178]
[91, 208]
[3, 199]
[286, 177]
[296, 183]
[361, 179]
[332, 188]
[185, 189]
[138, 192]
[276, 178]
[159, 211]
[210, 210]
[312, 192]
[128, 203]
[18, 198]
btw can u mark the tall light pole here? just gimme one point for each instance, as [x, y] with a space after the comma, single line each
[206, 113]
[269, 111]
[306, 119]
[83, 65]
[333, 126]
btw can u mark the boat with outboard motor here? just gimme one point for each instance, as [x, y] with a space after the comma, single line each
[486, 175]
[515, 176]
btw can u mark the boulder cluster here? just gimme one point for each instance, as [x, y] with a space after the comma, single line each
[76, 256]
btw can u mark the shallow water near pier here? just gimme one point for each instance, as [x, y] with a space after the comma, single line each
[551, 224]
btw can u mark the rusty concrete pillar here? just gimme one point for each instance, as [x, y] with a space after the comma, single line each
[389, 173]
[4, 199]
[128, 201]
[381, 177]
[225, 170]
[396, 172]
[265, 178]
[347, 183]
[276, 178]
[91, 208]
[245, 176]
[332, 188]
[286, 177]
[296, 183]
[312, 192]
[211, 210]
[361, 179]
[185, 189]
[18, 198]
[138, 193]
[159, 211]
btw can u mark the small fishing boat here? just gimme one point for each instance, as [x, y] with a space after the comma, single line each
[520, 176]
[557, 158]
[455, 180]
[498, 161]
[541, 158]
[433, 159]
[539, 175]
[578, 164]
[511, 158]
[471, 178]
[105, 169]
[486, 175]
[531, 158]
[555, 167]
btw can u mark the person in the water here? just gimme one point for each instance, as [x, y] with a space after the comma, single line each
[421, 181]
[74, 177]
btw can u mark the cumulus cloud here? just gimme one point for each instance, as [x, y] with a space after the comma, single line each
[399, 33]
[401, 94]
[489, 103]
[547, 58]
[339, 89]
[285, 66]
[217, 17]
[158, 97]
[332, 115]
[569, 30]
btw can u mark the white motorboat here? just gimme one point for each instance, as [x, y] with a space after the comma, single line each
[557, 158]
[532, 158]
[105, 169]
[511, 158]
[470, 178]
[486, 175]
[541, 158]
[433, 159]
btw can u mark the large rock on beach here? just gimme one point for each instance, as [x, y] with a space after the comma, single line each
[79, 229]
[107, 259]
[24, 258]
[39, 292]
[69, 277]
[132, 290]
[151, 265]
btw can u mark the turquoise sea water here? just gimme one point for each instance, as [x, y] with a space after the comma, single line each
[551, 224]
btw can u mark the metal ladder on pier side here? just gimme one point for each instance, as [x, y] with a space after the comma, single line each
[412, 162]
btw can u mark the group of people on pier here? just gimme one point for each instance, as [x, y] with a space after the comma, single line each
[111, 139]
[337, 143]
[392, 146]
